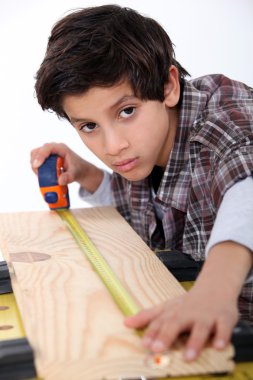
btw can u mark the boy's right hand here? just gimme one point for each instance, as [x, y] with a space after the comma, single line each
[75, 168]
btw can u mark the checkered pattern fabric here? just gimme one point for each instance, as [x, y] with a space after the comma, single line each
[213, 149]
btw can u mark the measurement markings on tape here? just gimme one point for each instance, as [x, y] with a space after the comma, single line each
[120, 295]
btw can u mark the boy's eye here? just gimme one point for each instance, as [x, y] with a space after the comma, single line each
[127, 112]
[88, 128]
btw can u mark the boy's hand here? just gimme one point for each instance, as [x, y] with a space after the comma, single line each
[75, 168]
[207, 312]
[201, 314]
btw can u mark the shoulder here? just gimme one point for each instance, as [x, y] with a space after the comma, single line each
[226, 120]
[224, 96]
[221, 137]
[220, 86]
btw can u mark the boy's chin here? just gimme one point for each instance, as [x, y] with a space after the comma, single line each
[135, 177]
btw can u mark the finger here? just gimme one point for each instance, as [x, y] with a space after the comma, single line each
[141, 319]
[163, 333]
[223, 334]
[65, 178]
[199, 335]
[39, 155]
[164, 329]
[35, 163]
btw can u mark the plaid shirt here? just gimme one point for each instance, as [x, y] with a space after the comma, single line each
[213, 149]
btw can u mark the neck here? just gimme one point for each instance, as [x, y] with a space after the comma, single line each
[169, 142]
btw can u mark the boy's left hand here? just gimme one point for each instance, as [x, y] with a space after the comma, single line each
[203, 314]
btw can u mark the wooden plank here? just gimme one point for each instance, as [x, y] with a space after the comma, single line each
[70, 319]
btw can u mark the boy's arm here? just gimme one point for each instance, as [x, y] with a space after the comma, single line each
[234, 219]
[211, 306]
[103, 194]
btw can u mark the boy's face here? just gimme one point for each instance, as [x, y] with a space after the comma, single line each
[129, 135]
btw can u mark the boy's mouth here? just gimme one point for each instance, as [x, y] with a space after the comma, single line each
[126, 165]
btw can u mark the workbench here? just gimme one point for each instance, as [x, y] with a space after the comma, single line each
[44, 275]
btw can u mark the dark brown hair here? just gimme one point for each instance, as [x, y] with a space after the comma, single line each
[100, 46]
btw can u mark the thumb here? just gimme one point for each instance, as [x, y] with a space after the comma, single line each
[64, 179]
[143, 318]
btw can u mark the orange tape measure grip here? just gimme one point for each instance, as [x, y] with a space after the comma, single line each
[55, 195]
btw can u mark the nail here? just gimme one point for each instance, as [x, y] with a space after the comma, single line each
[190, 354]
[146, 341]
[36, 163]
[220, 343]
[158, 346]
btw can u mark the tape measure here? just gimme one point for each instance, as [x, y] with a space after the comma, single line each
[120, 295]
[58, 200]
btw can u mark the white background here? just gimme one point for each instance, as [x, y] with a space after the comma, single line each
[210, 36]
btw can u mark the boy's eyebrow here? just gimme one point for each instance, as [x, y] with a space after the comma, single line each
[123, 99]
[74, 120]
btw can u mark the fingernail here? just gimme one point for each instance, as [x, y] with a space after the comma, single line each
[190, 354]
[220, 343]
[158, 346]
[146, 341]
[36, 163]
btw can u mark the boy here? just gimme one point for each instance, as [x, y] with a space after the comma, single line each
[181, 153]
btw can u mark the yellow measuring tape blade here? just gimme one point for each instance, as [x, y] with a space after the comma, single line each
[118, 292]
[11, 326]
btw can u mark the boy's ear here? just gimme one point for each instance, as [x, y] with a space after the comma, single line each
[172, 88]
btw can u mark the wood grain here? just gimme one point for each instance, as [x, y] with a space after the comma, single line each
[71, 321]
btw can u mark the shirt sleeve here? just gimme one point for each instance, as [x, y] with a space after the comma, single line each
[102, 196]
[234, 220]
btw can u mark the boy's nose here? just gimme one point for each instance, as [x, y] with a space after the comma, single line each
[114, 143]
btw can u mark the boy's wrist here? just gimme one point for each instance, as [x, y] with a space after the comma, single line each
[103, 194]
[92, 179]
[226, 269]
